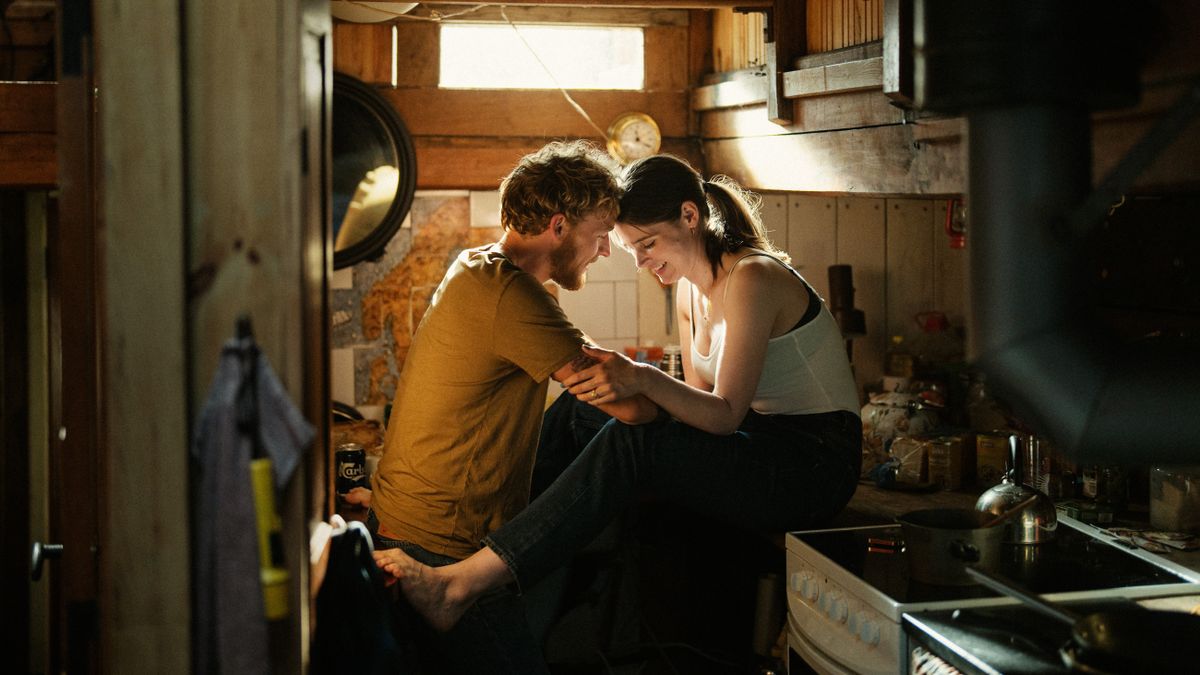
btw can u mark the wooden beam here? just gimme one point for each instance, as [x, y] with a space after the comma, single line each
[834, 78]
[898, 50]
[751, 87]
[583, 15]
[812, 113]
[28, 160]
[647, 4]
[28, 149]
[878, 161]
[530, 113]
[27, 106]
[480, 163]
[787, 37]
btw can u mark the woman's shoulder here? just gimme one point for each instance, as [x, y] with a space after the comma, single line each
[750, 265]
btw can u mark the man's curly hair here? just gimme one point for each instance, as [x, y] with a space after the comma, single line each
[573, 178]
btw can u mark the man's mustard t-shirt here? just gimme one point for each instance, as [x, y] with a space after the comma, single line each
[464, 427]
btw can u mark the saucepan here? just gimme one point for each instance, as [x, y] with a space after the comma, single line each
[1132, 640]
[940, 542]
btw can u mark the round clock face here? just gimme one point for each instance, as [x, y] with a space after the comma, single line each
[633, 136]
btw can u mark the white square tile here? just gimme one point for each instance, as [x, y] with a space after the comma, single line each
[341, 375]
[485, 208]
[625, 307]
[591, 309]
[618, 266]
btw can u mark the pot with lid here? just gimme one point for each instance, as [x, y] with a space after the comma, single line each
[1034, 523]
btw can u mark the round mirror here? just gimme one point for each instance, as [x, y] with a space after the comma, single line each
[374, 171]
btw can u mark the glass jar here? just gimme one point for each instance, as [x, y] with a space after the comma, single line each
[1175, 498]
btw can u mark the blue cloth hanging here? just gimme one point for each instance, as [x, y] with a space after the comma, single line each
[230, 630]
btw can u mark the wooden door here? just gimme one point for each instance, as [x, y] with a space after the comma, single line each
[74, 374]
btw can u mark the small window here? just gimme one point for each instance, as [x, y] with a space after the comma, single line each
[493, 56]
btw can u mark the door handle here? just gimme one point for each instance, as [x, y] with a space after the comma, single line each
[42, 553]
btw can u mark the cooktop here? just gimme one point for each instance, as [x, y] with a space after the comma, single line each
[1080, 558]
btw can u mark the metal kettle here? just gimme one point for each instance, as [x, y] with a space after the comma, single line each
[1035, 523]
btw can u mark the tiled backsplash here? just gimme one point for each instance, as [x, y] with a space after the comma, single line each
[902, 265]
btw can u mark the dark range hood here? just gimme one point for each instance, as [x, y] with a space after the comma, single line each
[1026, 74]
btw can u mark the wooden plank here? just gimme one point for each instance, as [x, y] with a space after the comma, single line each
[28, 160]
[910, 265]
[418, 56]
[860, 244]
[787, 40]
[722, 25]
[364, 50]
[666, 58]
[27, 106]
[812, 238]
[648, 4]
[526, 112]
[879, 160]
[562, 14]
[480, 163]
[141, 245]
[813, 113]
[897, 50]
[748, 89]
[842, 77]
[700, 46]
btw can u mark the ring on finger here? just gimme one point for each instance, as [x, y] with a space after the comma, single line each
[595, 394]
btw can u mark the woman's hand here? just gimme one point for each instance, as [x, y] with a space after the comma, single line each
[614, 377]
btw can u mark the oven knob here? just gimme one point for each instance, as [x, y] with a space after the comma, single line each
[811, 590]
[868, 632]
[837, 609]
[800, 583]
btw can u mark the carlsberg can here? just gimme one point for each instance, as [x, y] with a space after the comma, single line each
[350, 460]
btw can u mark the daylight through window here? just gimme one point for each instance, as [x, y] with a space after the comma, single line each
[492, 56]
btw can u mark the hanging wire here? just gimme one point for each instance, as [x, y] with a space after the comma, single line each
[434, 15]
[553, 79]
[438, 16]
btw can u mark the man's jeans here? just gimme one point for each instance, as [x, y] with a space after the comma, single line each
[777, 473]
[492, 637]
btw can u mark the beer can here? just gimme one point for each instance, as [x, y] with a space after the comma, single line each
[350, 460]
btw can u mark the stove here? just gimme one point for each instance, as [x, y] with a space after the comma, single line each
[849, 589]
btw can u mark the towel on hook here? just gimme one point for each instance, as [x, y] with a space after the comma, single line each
[230, 625]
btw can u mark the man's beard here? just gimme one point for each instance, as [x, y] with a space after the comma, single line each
[562, 270]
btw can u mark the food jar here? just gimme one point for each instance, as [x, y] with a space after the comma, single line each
[1175, 498]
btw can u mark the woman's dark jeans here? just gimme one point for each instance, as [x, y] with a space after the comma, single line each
[776, 473]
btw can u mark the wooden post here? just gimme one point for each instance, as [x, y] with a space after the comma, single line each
[786, 39]
[898, 51]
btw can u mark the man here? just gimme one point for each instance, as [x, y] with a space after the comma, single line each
[464, 428]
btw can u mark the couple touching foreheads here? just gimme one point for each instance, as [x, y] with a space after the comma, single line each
[762, 432]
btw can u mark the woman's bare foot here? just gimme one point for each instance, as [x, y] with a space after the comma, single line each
[431, 591]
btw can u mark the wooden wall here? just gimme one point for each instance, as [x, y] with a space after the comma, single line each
[834, 24]
[472, 138]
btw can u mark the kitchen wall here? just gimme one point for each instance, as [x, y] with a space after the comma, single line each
[902, 263]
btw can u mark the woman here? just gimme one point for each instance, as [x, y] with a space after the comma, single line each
[763, 431]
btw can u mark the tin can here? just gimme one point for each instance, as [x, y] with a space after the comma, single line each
[350, 460]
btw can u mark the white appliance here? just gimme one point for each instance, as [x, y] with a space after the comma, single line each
[848, 588]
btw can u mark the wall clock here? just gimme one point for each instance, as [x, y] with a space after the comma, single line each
[633, 135]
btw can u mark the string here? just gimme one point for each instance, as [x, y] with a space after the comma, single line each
[566, 95]
[438, 16]
[434, 15]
